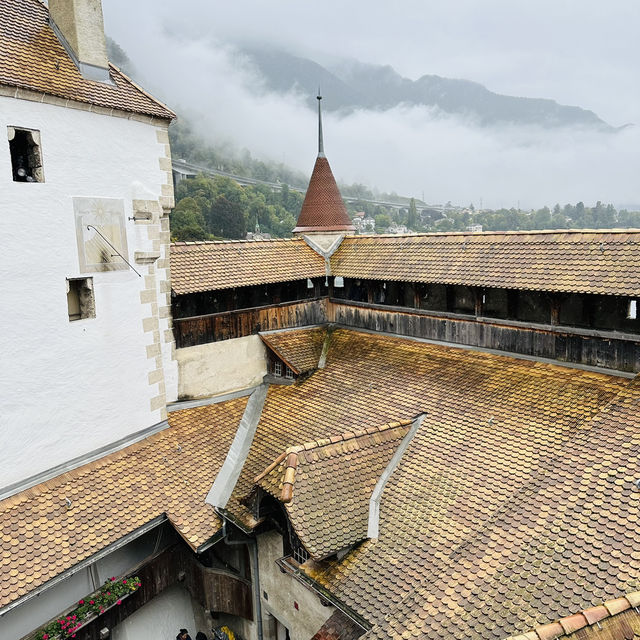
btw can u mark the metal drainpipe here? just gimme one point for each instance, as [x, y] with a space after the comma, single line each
[253, 546]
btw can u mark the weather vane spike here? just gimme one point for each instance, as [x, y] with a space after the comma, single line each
[320, 141]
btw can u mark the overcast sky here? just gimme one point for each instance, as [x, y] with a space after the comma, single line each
[577, 52]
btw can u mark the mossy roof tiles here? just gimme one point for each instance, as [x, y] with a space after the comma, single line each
[32, 58]
[603, 262]
[514, 503]
[326, 485]
[168, 473]
[206, 266]
[502, 528]
[461, 510]
[300, 350]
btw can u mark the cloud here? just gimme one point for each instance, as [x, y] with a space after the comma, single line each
[408, 150]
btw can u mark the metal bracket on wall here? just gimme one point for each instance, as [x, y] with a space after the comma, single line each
[90, 226]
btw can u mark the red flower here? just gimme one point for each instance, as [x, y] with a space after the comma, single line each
[119, 602]
[68, 617]
[45, 637]
[92, 601]
[124, 582]
[113, 579]
[108, 593]
[80, 601]
[139, 584]
[73, 617]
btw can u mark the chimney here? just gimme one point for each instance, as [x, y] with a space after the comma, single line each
[80, 28]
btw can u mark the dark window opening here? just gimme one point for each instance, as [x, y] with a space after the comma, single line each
[80, 300]
[26, 156]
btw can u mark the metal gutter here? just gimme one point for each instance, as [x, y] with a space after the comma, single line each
[374, 501]
[228, 475]
[17, 487]
[203, 402]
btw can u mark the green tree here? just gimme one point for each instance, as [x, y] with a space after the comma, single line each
[383, 221]
[187, 221]
[412, 215]
[226, 218]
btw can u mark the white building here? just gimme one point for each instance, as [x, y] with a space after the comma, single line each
[85, 192]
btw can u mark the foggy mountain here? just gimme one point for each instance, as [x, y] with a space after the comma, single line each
[353, 85]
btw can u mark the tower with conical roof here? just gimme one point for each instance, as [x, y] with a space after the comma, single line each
[323, 215]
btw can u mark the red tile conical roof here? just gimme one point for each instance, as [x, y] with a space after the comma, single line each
[323, 208]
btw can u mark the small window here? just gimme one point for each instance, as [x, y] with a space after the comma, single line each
[288, 374]
[632, 310]
[26, 155]
[277, 368]
[80, 300]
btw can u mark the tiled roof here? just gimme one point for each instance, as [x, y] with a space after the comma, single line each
[169, 472]
[205, 266]
[300, 350]
[503, 519]
[514, 504]
[501, 494]
[338, 627]
[326, 485]
[617, 619]
[603, 262]
[323, 208]
[32, 58]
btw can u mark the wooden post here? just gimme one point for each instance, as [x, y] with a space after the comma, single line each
[555, 309]
[479, 310]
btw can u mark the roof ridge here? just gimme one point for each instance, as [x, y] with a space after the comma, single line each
[521, 232]
[181, 243]
[347, 435]
[292, 454]
[584, 618]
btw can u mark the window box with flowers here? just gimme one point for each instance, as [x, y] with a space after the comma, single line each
[111, 594]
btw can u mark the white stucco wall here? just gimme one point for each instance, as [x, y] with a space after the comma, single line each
[69, 388]
[221, 367]
[160, 619]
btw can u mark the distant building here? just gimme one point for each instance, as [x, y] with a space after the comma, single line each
[475, 228]
[398, 229]
[364, 225]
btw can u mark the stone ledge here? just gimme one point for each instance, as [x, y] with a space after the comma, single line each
[146, 257]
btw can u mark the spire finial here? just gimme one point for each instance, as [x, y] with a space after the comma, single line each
[320, 141]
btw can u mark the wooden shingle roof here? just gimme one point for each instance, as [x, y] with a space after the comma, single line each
[33, 59]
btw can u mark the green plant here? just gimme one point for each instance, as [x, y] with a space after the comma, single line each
[109, 594]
